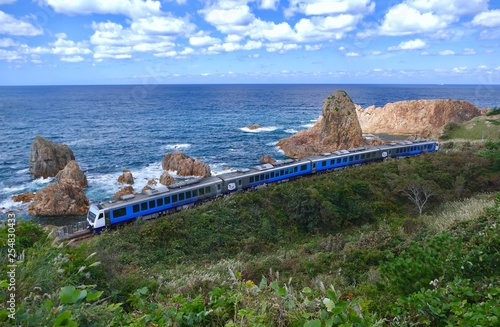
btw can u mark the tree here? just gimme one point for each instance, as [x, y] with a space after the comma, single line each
[419, 194]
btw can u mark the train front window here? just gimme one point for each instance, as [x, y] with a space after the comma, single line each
[91, 216]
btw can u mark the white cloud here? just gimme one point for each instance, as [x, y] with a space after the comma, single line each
[11, 26]
[328, 7]
[9, 55]
[314, 47]
[409, 45]
[469, 51]
[7, 42]
[268, 4]
[129, 8]
[72, 59]
[454, 7]
[447, 53]
[5, 2]
[202, 41]
[281, 47]
[69, 48]
[405, 20]
[352, 54]
[487, 19]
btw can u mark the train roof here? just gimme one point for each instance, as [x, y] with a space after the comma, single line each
[155, 191]
[262, 168]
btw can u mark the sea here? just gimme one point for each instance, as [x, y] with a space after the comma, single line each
[112, 128]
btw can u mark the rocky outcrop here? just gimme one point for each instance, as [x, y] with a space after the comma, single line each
[59, 199]
[124, 191]
[254, 127]
[337, 128]
[48, 158]
[267, 159]
[126, 177]
[423, 118]
[166, 179]
[72, 174]
[185, 165]
[24, 197]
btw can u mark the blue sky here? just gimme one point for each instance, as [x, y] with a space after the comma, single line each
[249, 41]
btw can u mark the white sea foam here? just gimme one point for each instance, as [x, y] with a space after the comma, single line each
[272, 143]
[22, 171]
[220, 168]
[259, 130]
[176, 146]
[308, 125]
[8, 205]
[291, 131]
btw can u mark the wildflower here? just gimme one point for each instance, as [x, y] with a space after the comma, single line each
[37, 289]
[249, 284]
[82, 268]
[46, 296]
[95, 264]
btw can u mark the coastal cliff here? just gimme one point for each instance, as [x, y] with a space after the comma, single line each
[423, 118]
[337, 128]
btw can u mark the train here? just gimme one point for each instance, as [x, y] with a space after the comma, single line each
[161, 200]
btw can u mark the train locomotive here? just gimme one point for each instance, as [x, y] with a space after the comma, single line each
[162, 200]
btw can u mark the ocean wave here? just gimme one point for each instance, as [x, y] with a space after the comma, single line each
[307, 125]
[291, 131]
[176, 146]
[272, 143]
[259, 130]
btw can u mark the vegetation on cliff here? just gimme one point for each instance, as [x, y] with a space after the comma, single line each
[338, 249]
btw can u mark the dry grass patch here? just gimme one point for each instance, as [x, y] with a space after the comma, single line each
[451, 213]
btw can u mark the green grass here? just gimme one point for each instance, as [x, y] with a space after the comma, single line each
[478, 128]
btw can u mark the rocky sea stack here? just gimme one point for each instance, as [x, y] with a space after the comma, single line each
[337, 128]
[185, 165]
[64, 197]
[423, 118]
[48, 158]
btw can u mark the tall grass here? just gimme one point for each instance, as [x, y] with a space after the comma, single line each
[454, 212]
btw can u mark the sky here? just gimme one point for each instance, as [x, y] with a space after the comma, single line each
[68, 42]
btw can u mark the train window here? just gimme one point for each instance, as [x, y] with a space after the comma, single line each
[188, 195]
[256, 178]
[339, 160]
[152, 204]
[295, 169]
[356, 157]
[174, 198]
[429, 146]
[251, 179]
[303, 167]
[272, 174]
[345, 159]
[167, 200]
[144, 206]
[323, 163]
[119, 212]
[195, 192]
[159, 202]
[262, 177]
[207, 189]
[239, 181]
[218, 187]
[267, 177]
[282, 172]
[135, 208]
[363, 156]
[202, 191]
[181, 196]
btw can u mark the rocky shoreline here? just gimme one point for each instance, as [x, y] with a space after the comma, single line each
[341, 125]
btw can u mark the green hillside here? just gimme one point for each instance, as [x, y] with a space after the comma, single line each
[345, 248]
[478, 128]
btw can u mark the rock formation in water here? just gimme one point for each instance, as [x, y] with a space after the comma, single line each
[267, 159]
[126, 177]
[72, 174]
[48, 158]
[166, 179]
[24, 197]
[254, 127]
[124, 191]
[59, 199]
[337, 128]
[423, 118]
[185, 165]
